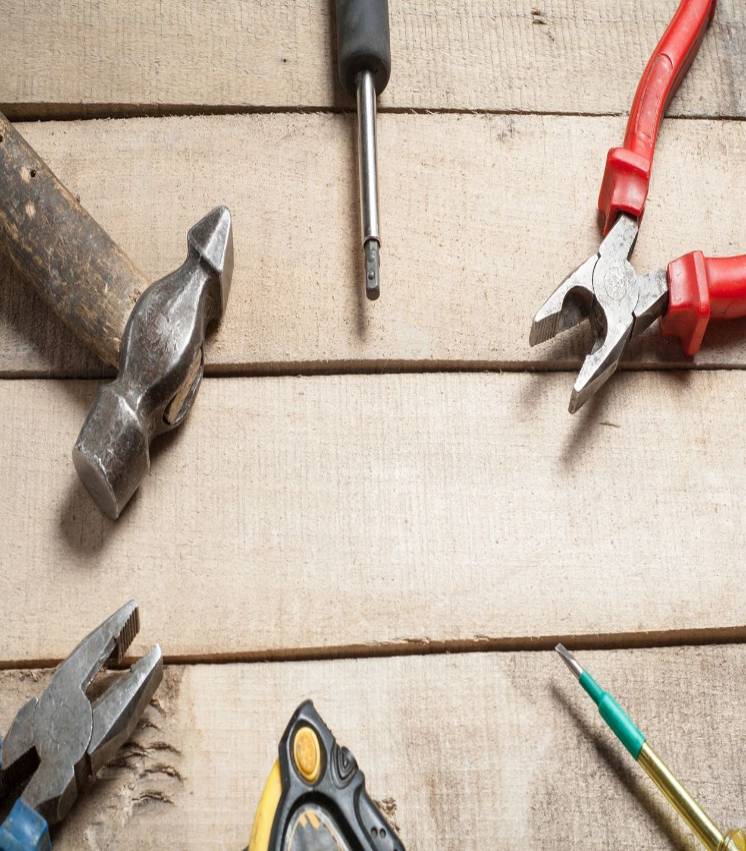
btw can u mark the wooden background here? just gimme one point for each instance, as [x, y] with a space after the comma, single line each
[386, 507]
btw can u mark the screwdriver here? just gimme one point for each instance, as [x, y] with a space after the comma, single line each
[635, 742]
[364, 60]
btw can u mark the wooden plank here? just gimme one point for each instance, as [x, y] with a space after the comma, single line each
[464, 749]
[483, 216]
[367, 514]
[573, 56]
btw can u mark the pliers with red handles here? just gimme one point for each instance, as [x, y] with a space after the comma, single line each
[606, 289]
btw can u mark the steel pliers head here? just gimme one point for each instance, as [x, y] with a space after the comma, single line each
[616, 301]
[59, 741]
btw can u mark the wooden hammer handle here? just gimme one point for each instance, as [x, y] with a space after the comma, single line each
[77, 268]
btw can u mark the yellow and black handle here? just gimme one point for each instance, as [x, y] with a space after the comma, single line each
[315, 798]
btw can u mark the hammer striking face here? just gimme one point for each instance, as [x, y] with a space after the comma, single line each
[154, 333]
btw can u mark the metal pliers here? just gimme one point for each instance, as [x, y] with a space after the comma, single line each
[606, 290]
[59, 741]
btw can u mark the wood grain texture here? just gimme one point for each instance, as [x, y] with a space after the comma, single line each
[469, 752]
[70, 261]
[483, 216]
[574, 56]
[381, 513]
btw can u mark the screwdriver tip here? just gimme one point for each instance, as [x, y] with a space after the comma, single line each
[372, 269]
[569, 660]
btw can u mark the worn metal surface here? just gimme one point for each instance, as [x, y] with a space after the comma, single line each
[618, 303]
[59, 248]
[60, 740]
[160, 369]
[155, 334]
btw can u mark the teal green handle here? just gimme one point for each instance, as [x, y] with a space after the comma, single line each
[626, 730]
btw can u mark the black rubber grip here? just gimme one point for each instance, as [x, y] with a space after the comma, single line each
[363, 42]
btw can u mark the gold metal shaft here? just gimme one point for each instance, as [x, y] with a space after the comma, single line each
[697, 819]
[735, 840]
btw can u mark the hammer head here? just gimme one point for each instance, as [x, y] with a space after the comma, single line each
[161, 364]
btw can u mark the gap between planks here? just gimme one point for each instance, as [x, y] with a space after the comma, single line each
[303, 370]
[472, 752]
[457, 54]
[259, 512]
[651, 640]
[295, 306]
[19, 112]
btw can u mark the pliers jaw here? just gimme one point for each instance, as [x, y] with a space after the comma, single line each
[618, 304]
[60, 740]
[569, 305]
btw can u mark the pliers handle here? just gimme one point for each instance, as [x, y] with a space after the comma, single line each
[606, 290]
[24, 830]
[699, 289]
[627, 176]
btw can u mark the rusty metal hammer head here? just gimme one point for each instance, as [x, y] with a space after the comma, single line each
[161, 363]
[153, 333]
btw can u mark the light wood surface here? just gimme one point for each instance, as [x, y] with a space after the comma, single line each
[362, 513]
[483, 217]
[331, 535]
[468, 752]
[571, 56]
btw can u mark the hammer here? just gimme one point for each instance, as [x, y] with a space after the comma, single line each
[154, 333]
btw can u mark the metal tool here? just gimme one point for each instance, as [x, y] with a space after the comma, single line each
[58, 742]
[154, 333]
[606, 290]
[157, 382]
[315, 798]
[636, 744]
[364, 60]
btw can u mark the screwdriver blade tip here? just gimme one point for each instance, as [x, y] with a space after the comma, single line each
[372, 251]
[572, 663]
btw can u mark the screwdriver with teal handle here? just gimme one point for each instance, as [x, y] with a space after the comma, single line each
[635, 742]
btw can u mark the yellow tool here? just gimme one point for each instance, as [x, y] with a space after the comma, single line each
[315, 798]
[634, 741]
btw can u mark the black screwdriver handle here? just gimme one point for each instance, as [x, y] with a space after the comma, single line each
[363, 42]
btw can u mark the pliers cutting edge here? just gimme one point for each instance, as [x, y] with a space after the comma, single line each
[59, 741]
[606, 290]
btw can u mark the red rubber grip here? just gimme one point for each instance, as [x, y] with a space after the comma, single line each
[699, 289]
[627, 177]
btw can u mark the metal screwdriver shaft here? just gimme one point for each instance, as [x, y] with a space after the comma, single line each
[367, 157]
[364, 59]
[635, 743]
